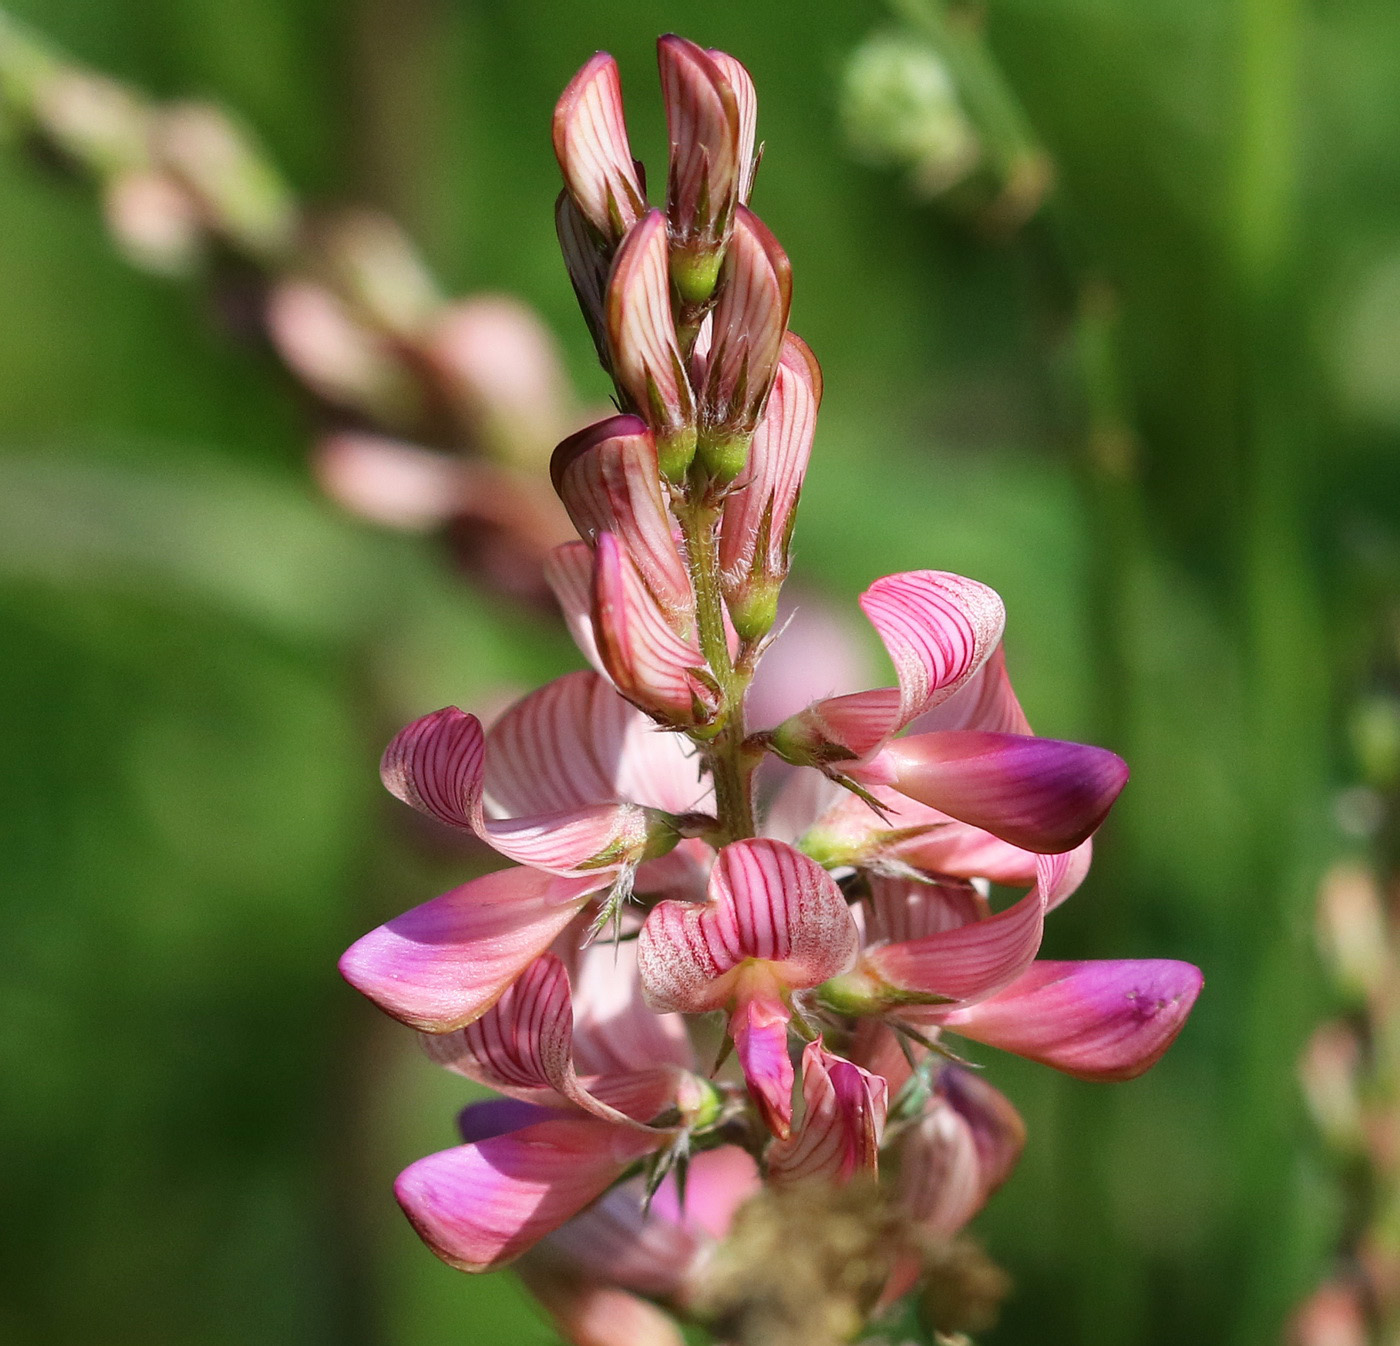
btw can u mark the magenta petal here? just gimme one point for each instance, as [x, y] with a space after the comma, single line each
[442, 964]
[499, 1116]
[967, 962]
[1041, 794]
[759, 1027]
[842, 1124]
[479, 1206]
[1099, 1020]
[899, 910]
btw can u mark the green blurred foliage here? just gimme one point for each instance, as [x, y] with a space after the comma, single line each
[201, 660]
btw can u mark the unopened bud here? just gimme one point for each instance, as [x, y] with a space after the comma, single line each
[590, 142]
[646, 361]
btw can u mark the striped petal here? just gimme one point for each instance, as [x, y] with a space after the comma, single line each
[437, 764]
[590, 142]
[898, 910]
[642, 338]
[523, 1047]
[842, 1125]
[1041, 794]
[648, 662]
[768, 903]
[746, 337]
[568, 570]
[747, 99]
[703, 125]
[442, 964]
[609, 480]
[1098, 1020]
[588, 261]
[985, 701]
[480, 1206]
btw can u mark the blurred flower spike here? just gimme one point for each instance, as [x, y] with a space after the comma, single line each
[695, 1002]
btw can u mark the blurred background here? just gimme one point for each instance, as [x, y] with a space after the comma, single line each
[1108, 303]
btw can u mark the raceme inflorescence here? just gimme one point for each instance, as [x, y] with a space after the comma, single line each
[724, 964]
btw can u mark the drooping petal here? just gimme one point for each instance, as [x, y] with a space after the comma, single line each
[479, 1206]
[648, 662]
[440, 965]
[1098, 1020]
[703, 125]
[609, 480]
[768, 903]
[590, 142]
[758, 1025]
[642, 338]
[497, 1116]
[1041, 794]
[844, 1120]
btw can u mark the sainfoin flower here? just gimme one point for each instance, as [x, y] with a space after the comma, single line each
[688, 995]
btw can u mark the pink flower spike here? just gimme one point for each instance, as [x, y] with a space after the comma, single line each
[437, 765]
[746, 341]
[775, 922]
[443, 964]
[756, 532]
[1041, 794]
[590, 142]
[480, 1206]
[641, 333]
[610, 482]
[839, 1137]
[1099, 1020]
[653, 667]
[747, 98]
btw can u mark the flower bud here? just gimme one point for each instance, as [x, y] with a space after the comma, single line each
[708, 162]
[756, 531]
[590, 142]
[746, 341]
[646, 361]
[587, 261]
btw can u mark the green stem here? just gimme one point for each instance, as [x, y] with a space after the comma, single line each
[725, 755]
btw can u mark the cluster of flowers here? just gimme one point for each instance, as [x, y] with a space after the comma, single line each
[829, 938]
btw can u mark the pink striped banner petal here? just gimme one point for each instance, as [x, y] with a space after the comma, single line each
[442, 964]
[842, 1123]
[480, 1206]
[1098, 1020]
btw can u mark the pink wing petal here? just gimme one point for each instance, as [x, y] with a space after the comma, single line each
[440, 965]
[839, 1137]
[702, 121]
[1101, 1020]
[767, 903]
[647, 661]
[1041, 794]
[609, 480]
[479, 1206]
[436, 765]
[590, 142]
[969, 961]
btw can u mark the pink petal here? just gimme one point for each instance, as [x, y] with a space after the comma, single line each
[747, 330]
[997, 1130]
[499, 1116]
[702, 121]
[642, 334]
[568, 570]
[747, 99]
[647, 661]
[608, 478]
[758, 1025]
[969, 961]
[842, 1126]
[907, 909]
[717, 1183]
[758, 517]
[768, 903]
[442, 964]
[1101, 1020]
[940, 1171]
[985, 701]
[1040, 794]
[479, 1206]
[591, 1313]
[436, 765]
[389, 482]
[590, 142]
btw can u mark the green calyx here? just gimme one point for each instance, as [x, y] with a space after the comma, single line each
[754, 610]
[696, 274]
[723, 456]
[675, 451]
